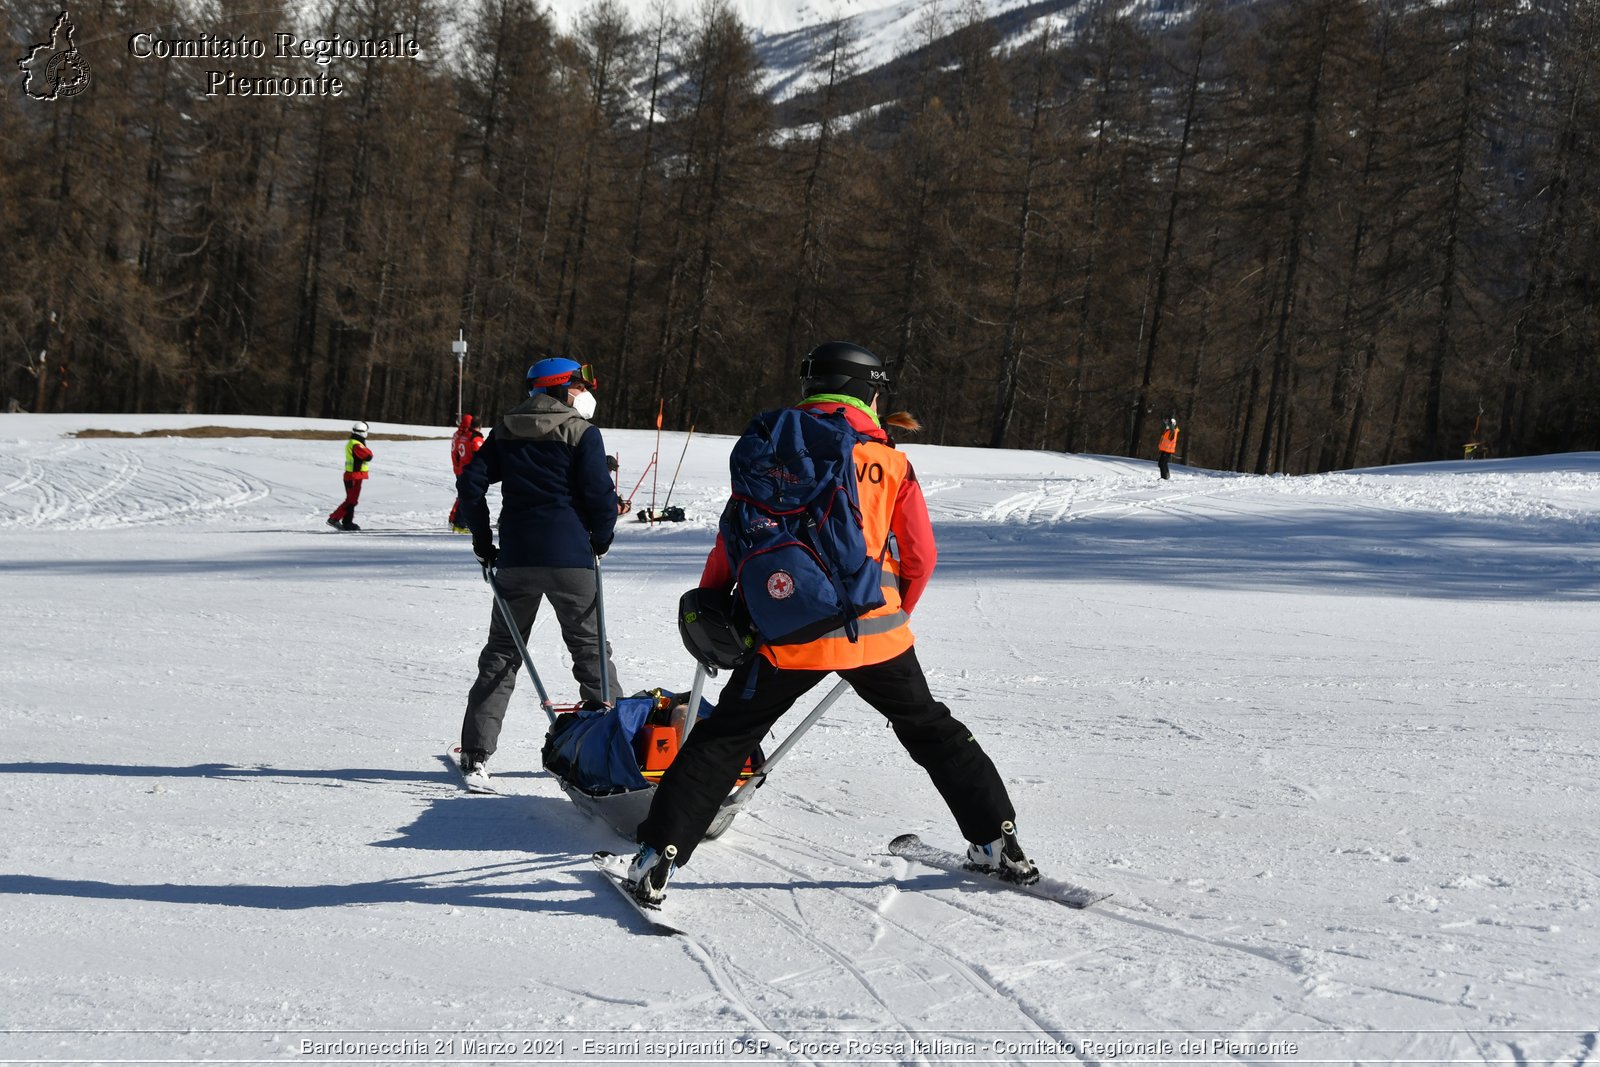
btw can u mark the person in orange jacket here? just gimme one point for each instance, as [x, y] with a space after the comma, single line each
[1168, 445]
[356, 457]
[881, 665]
[464, 444]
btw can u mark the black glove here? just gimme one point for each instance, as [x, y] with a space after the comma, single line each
[486, 554]
[599, 549]
[611, 464]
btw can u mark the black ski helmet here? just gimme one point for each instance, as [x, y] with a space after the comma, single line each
[715, 629]
[842, 367]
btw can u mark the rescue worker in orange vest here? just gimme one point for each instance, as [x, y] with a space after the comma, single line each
[464, 444]
[1169, 445]
[881, 665]
[356, 457]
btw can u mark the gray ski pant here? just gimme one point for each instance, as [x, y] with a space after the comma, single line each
[571, 592]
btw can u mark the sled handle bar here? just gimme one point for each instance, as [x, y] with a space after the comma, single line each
[600, 619]
[805, 724]
[522, 647]
[693, 713]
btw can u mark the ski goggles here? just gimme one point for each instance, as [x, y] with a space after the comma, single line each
[583, 377]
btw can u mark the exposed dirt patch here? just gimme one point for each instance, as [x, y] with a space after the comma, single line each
[235, 431]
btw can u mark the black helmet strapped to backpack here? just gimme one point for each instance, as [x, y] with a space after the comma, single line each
[715, 630]
[842, 367]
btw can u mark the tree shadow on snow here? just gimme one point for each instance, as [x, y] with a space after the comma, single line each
[359, 554]
[1460, 557]
[225, 771]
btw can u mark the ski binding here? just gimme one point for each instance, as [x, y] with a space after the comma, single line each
[615, 870]
[912, 847]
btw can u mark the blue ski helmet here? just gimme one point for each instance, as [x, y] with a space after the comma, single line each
[842, 367]
[555, 372]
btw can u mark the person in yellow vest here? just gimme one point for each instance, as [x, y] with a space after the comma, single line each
[1169, 445]
[880, 665]
[356, 457]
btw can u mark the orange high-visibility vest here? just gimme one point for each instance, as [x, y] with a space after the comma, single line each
[1169, 441]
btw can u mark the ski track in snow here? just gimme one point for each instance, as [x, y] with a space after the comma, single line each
[71, 488]
[911, 938]
[1326, 739]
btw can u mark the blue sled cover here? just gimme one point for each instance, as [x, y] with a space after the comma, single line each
[592, 751]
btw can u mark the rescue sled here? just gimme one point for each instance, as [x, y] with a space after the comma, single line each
[608, 760]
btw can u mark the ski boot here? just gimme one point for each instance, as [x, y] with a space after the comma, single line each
[475, 766]
[348, 524]
[333, 523]
[1003, 858]
[648, 874]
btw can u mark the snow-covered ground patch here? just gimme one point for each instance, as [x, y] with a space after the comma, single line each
[1329, 741]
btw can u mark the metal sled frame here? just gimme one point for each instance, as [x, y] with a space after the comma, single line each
[624, 811]
[740, 798]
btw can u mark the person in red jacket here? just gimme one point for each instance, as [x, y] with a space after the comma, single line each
[464, 444]
[880, 665]
[1168, 445]
[356, 457]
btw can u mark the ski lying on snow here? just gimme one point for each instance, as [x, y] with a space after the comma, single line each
[474, 784]
[615, 870]
[911, 847]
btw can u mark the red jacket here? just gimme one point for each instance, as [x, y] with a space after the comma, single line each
[891, 502]
[464, 445]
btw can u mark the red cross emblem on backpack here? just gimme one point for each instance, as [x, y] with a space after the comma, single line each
[780, 586]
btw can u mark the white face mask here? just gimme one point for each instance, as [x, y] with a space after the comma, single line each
[584, 404]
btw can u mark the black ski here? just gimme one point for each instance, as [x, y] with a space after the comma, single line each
[911, 847]
[614, 869]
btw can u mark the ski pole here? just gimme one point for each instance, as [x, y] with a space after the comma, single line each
[674, 483]
[600, 620]
[661, 407]
[648, 467]
[522, 647]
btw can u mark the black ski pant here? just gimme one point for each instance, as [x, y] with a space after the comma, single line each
[1166, 457]
[705, 771]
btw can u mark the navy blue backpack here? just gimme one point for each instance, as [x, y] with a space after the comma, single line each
[793, 528]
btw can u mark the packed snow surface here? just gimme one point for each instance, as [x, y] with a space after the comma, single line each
[1329, 741]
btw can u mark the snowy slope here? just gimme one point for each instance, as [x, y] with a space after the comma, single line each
[1329, 740]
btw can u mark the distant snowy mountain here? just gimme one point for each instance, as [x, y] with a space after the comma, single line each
[790, 33]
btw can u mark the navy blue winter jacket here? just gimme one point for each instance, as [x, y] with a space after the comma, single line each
[558, 505]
